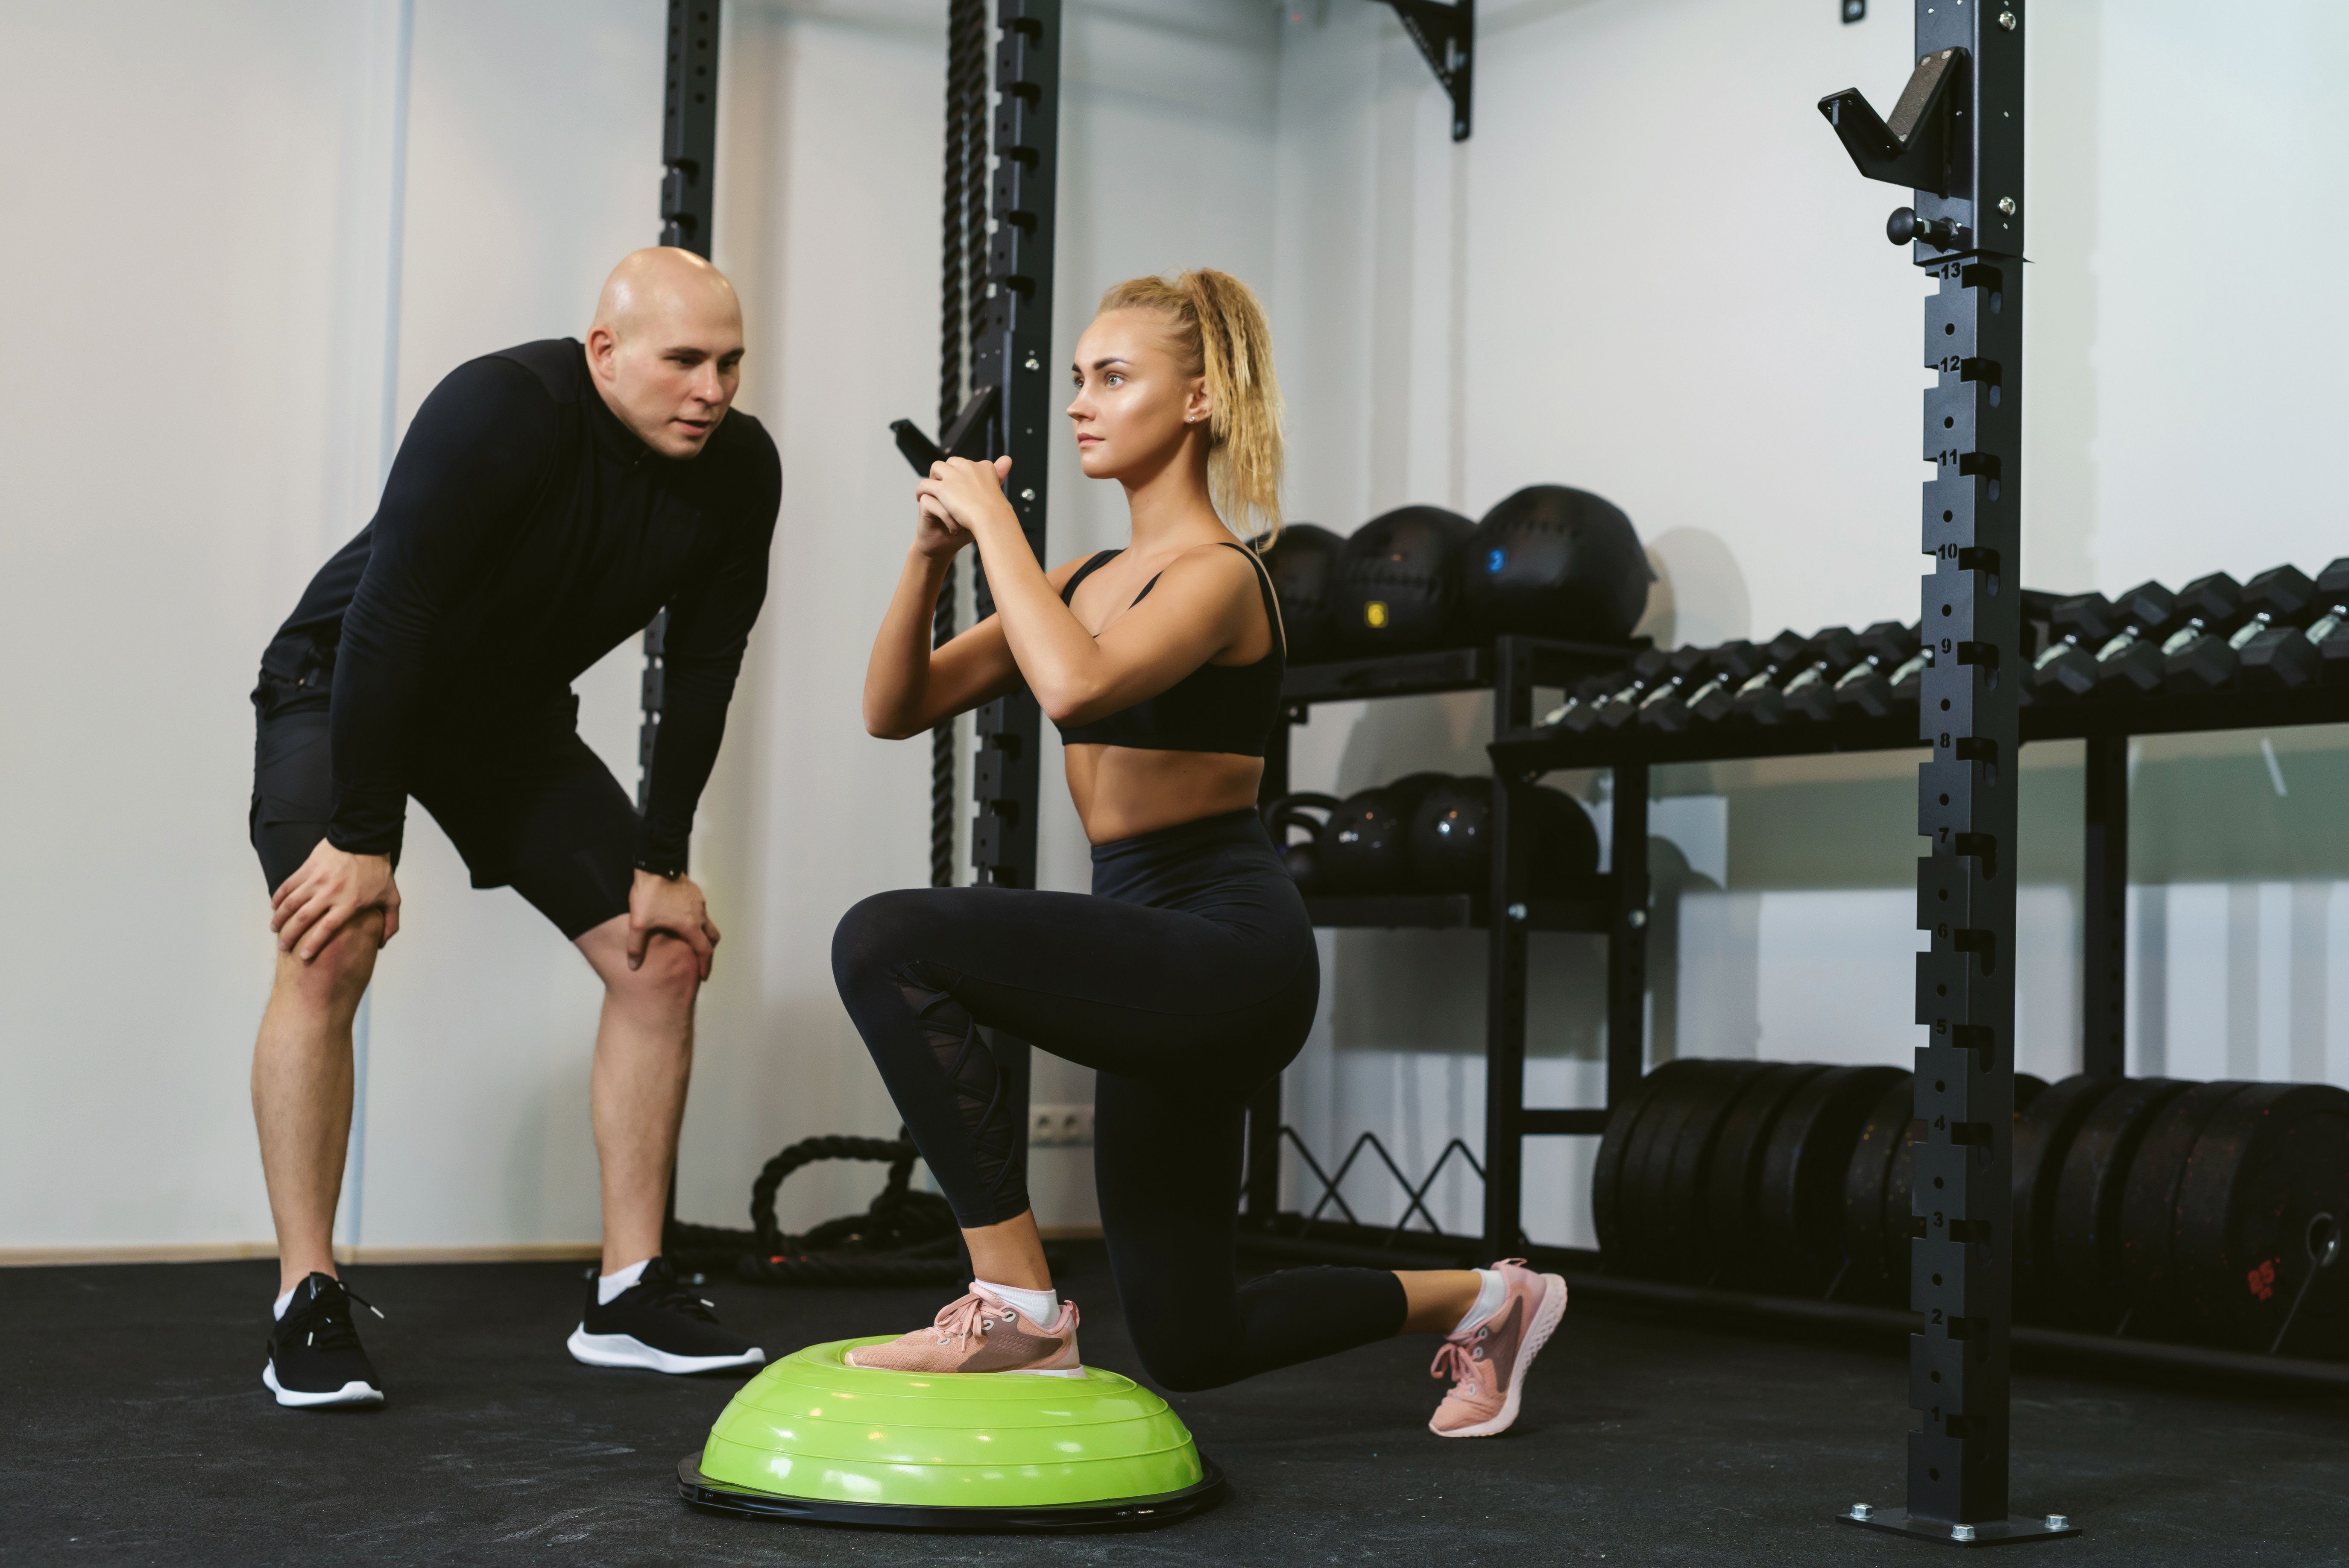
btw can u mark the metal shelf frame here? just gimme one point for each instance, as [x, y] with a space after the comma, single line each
[1618, 909]
[1511, 667]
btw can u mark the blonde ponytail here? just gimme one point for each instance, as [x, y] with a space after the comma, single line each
[1220, 332]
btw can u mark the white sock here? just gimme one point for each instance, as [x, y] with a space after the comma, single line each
[284, 1301]
[1491, 1290]
[608, 1286]
[1039, 1307]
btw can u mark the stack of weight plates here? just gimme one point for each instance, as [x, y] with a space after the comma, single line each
[2209, 1212]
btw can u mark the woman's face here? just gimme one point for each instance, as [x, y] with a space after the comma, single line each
[1135, 401]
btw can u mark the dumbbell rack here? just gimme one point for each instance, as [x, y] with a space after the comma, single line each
[1511, 669]
[2104, 725]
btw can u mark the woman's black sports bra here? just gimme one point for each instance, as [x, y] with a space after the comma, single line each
[1215, 708]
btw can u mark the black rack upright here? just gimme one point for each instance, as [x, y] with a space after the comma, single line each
[1956, 139]
[688, 202]
[1012, 358]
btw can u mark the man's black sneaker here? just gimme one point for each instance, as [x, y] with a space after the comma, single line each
[314, 1359]
[657, 1323]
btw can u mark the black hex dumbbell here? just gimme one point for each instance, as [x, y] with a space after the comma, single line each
[2210, 603]
[2293, 656]
[2206, 661]
[1588, 692]
[2146, 612]
[1889, 656]
[1829, 654]
[1777, 657]
[1881, 646]
[2066, 667]
[1624, 706]
[1647, 667]
[1728, 665]
[1688, 663]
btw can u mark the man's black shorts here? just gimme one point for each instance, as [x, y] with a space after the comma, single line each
[529, 806]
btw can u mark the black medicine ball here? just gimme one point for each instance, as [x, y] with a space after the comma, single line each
[1399, 581]
[1450, 845]
[1366, 844]
[1567, 853]
[1303, 563]
[1451, 839]
[1554, 562]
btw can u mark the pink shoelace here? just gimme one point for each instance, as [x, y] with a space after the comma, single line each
[965, 1318]
[1454, 1360]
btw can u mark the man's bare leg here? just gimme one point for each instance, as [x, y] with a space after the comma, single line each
[644, 1060]
[302, 1092]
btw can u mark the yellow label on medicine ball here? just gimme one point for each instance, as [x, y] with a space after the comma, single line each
[1374, 614]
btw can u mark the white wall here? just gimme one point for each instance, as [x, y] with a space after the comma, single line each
[195, 326]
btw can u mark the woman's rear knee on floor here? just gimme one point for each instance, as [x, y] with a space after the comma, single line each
[1182, 1364]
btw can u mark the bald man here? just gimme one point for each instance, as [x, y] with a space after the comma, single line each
[547, 502]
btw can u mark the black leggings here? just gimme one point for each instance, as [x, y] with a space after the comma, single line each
[1188, 979]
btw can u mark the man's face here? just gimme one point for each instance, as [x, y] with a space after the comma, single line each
[670, 374]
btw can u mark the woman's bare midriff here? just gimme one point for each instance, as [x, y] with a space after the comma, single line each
[1121, 791]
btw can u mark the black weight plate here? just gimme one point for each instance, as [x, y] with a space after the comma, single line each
[1658, 1125]
[1900, 1219]
[1883, 1133]
[2265, 1197]
[2149, 1204]
[2027, 1090]
[1651, 1144]
[1676, 1212]
[2043, 1137]
[1730, 1252]
[1622, 1121]
[2261, 1205]
[1648, 1163]
[2081, 1281]
[1799, 1210]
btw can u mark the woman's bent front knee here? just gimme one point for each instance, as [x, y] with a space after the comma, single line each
[877, 936]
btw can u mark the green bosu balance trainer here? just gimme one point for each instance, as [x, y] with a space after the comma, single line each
[815, 1439]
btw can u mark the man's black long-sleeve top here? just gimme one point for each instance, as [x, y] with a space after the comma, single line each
[524, 534]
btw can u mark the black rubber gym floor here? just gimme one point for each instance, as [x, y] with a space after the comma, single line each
[137, 1431]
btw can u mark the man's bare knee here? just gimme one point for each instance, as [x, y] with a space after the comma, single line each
[669, 978]
[342, 968]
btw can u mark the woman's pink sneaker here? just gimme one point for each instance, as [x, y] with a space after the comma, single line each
[981, 1333]
[1488, 1363]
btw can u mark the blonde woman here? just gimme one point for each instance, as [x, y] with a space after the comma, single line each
[1188, 978]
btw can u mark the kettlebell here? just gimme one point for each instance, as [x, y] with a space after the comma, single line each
[1301, 859]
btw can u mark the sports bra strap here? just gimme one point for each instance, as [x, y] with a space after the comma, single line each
[1263, 584]
[1100, 559]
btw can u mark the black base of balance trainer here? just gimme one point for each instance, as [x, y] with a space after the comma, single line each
[699, 1490]
[2007, 1532]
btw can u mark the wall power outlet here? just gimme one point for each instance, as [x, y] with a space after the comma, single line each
[1059, 1126]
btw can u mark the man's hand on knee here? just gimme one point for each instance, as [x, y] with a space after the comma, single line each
[672, 906]
[330, 890]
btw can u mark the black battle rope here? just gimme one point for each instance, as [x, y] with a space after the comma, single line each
[903, 1238]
